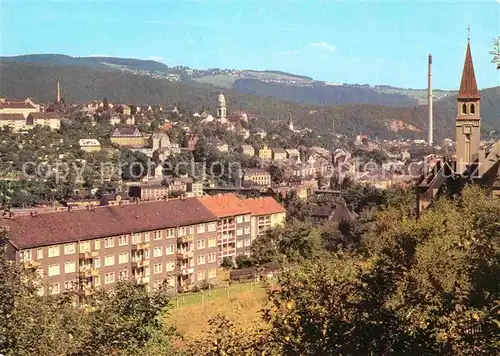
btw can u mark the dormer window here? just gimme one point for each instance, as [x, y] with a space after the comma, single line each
[464, 108]
[472, 109]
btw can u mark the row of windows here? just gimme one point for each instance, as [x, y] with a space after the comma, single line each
[69, 249]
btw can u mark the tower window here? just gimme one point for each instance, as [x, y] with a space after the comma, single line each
[464, 108]
[472, 109]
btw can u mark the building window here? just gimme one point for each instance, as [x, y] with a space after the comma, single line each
[157, 235]
[84, 246]
[122, 240]
[69, 285]
[54, 270]
[69, 249]
[191, 230]
[472, 109]
[123, 257]
[39, 253]
[211, 226]
[247, 242]
[200, 260]
[201, 228]
[171, 282]
[239, 219]
[157, 268]
[247, 218]
[170, 233]
[157, 252]
[170, 266]
[54, 288]
[239, 244]
[136, 238]
[122, 275]
[97, 262]
[239, 231]
[200, 244]
[181, 231]
[97, 244]
[212, 257]
[109, 242]
[25, 255]
[212, 242]
[247, 230]
[464, 108]
[170, 250]
[109, 260]
[53, 251]
[109, 278]
[69, 267]
[201, 275]
[97, 281]
[146, 236]
[212, 273]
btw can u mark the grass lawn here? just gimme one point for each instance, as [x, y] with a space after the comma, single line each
[240, 302]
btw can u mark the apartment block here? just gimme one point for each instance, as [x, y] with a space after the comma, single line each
[174, 242]
[265, 213]
[234, 231]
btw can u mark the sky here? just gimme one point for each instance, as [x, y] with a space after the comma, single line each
[364, 42]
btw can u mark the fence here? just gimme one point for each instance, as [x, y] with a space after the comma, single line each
[226, 292]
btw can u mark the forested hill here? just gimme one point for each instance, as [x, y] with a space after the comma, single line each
[80, 84]
[322, 94]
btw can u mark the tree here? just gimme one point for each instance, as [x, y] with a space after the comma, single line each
[227, 262]
[277, 173]
[243, 261]
[496, 52]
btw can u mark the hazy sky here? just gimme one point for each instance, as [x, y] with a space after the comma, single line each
[375, 42]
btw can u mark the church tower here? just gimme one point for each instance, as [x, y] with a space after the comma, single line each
[468, 117]
[221, 109]
[290, 124]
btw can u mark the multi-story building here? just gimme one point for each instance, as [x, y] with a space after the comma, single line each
[89, 145]
[148, 192]
[51, 119]
[16, 122]
[233, 232]
[194, 189]
[265, 213]
[17, 107]
[171, 241]
[257, 175]
[279, 154]
[246, 150]
[265, 153]
[127, 136]
[190, 142]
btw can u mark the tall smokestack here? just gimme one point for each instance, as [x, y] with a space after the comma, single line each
[58, 94]
[429, 101]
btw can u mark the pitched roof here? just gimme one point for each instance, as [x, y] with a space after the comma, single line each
[253, 171]
[45, 115]
[19, 117]
[125, 131]
[62, 227]
[468, 85]
[263, 206]
[278, 150]
[16, 105]
[225, 205]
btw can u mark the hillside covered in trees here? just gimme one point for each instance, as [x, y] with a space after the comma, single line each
[81, 84]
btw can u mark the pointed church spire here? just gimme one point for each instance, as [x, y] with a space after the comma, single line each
[468, 85]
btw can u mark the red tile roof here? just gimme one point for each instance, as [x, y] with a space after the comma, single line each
[468, 85]
[16, 105]
[61, 227]
[19, 117]
[223, 205]
[263, 206]
[46, 115]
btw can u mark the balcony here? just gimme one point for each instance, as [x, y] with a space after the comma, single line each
[88, 255]
[184, 239]
[187, 271]
[231, 252]
[32, 264]
[140, 264]
[88, 272]
[184, 254]
[141, 246]
[226, 240]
